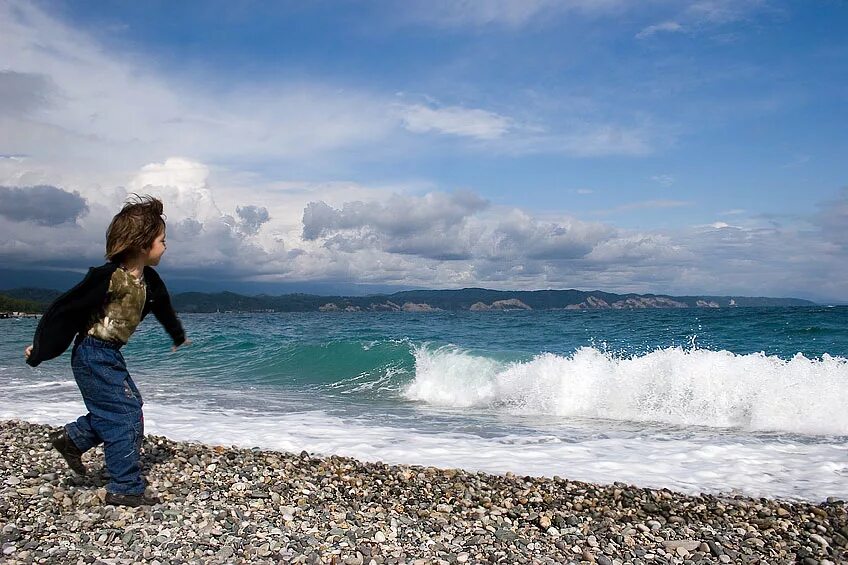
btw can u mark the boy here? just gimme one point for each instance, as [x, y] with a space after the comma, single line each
[102, 312]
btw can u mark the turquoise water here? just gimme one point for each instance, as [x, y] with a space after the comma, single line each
[729, 400]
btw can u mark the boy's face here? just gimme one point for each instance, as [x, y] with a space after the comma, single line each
[157, 249]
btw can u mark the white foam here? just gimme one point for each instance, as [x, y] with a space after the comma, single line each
[674, 386]
[689, 463]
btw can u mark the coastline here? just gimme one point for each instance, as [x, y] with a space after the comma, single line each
[227, 504]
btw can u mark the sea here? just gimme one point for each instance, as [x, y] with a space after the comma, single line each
[750, 401]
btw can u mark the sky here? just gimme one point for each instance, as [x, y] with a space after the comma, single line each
[666, 146]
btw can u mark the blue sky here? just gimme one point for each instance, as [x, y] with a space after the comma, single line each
[662, 146]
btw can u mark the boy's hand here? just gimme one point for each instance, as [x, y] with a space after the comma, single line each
[183, 344]
[27, 351]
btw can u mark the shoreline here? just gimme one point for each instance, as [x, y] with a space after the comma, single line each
[227, 504]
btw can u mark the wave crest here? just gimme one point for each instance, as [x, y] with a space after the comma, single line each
[695, 387]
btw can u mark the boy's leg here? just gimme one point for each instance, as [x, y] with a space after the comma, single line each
[115, 413]
[122, 434]
[81, 431]
[79, 436]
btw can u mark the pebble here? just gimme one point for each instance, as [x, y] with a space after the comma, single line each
[224, 505]
[819, 540]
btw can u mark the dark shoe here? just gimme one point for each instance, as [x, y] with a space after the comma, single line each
[131, 500]
[69, 450]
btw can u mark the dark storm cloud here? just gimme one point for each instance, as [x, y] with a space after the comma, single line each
[448, 227]
[398, 216]
[251, 218]
[43, 205]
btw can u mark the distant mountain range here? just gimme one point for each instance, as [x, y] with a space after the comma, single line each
[473, 299]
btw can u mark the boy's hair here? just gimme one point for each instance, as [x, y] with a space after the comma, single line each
[135, 227]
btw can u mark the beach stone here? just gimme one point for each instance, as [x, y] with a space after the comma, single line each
[715, 548]
[335, 509]
[688, 545]
[819, 540]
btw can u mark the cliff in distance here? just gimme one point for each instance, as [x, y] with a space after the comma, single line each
[471, 299]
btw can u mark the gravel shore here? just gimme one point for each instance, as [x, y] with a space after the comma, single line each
[229, 505]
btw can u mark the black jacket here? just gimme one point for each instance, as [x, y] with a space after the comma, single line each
[73, 311]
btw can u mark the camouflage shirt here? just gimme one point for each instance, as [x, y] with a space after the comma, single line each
[122, 312]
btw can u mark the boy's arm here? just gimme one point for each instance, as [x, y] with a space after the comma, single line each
[164, 312]
[65, 316]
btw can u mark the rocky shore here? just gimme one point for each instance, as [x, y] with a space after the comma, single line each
[229, 505]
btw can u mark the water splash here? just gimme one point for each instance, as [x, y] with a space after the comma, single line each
[693, 387]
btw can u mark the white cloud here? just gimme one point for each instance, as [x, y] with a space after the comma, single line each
[702, 15]
[516, 14]
[455, 120]
[583, 140]
[81, 111]
[668, 27]
[175, 171]
[503, 13]
[638, 248]
[665, 180]
[77, 101]
[183, 184]
[723, 11]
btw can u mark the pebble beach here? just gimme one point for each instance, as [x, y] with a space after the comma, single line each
[233, 505]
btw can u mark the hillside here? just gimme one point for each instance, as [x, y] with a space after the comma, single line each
[13, 304]
[475, 299]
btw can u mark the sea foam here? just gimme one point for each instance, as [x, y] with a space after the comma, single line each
[690, 387]
[687, 462]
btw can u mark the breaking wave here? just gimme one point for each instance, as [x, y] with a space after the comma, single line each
[692, 387]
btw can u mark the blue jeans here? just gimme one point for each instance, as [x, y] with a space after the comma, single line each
[114, 412]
